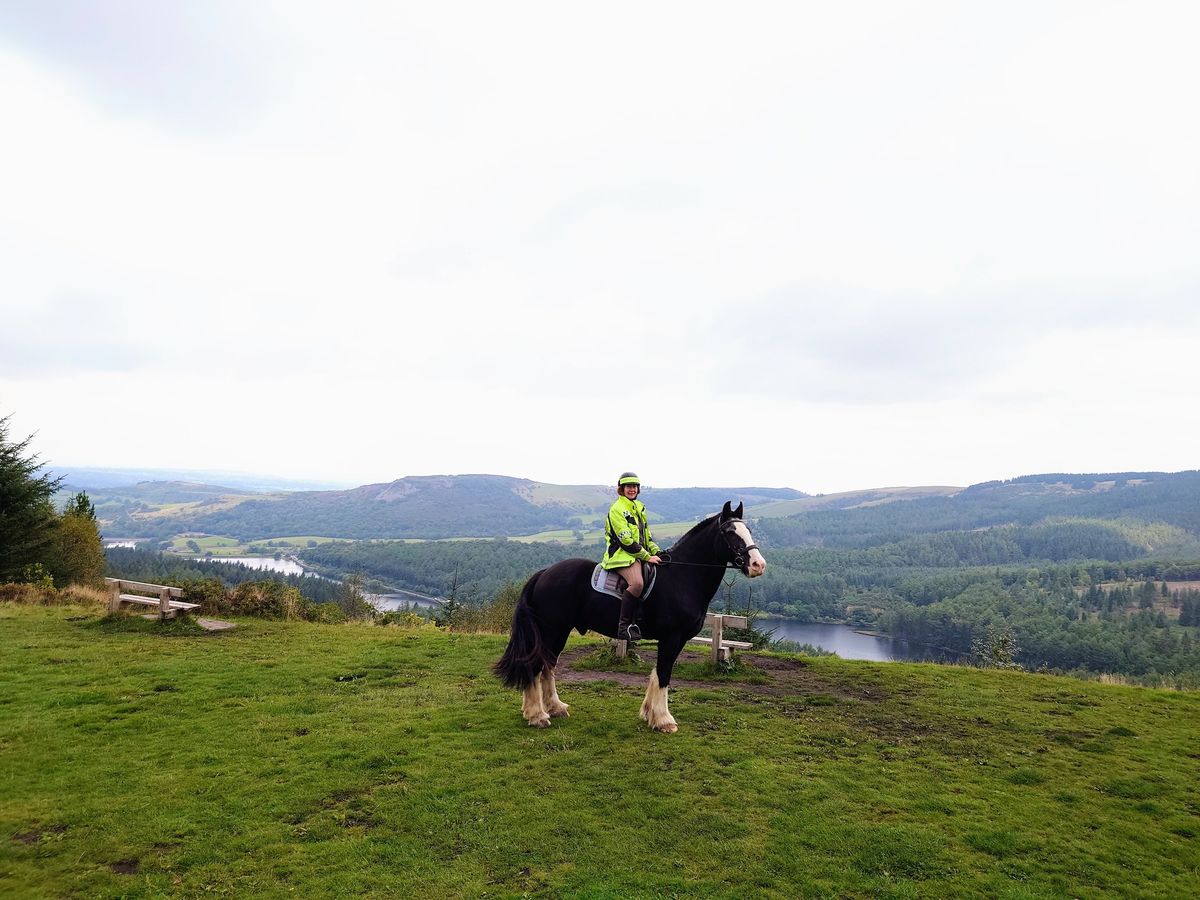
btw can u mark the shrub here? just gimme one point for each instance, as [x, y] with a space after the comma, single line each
[402, 619]
[493, 615]
[266, 599]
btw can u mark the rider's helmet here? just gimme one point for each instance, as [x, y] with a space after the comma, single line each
[629, 478]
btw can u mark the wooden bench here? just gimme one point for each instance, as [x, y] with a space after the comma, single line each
[722, 648]
[162, 597]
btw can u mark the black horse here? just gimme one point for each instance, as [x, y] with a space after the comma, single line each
[561, 597]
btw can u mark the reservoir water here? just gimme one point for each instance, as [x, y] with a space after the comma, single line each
[265, 563]
[850, 644]
[397, 599]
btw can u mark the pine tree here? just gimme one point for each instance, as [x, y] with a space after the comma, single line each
[27, 517]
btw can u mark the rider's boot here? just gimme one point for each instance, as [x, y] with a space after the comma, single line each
[627, 630]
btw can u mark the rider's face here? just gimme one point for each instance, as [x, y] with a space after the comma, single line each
[630, 491]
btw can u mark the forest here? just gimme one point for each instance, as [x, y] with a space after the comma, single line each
[161, 568]
[1093, 573]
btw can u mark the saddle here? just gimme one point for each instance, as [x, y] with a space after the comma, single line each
[607, 581]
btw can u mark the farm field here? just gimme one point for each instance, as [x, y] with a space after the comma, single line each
[292, 758]
[220, 545]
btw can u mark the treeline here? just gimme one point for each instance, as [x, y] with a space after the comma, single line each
[38, 544]
[470, 570]
[1052, 630]
[160, 568]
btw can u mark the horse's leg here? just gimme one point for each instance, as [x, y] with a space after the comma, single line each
[550, 700]
[532, 706]
[654, 708]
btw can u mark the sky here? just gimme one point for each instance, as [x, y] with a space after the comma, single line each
[822, 246]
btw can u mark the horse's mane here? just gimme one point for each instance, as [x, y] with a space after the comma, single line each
[693, 531]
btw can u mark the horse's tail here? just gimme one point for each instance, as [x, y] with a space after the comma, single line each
[525, 656]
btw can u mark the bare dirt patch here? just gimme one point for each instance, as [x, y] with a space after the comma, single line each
[36, 834]
[785, 677]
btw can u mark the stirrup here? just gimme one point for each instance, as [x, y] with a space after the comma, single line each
[635, 633]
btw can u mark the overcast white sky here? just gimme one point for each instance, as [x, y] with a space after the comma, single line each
[828, 246]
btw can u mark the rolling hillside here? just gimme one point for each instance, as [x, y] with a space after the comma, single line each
[862, 520]
[435, 506]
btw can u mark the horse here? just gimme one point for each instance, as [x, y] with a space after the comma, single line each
[560, 597]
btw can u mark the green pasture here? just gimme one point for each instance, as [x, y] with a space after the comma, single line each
[660, 530]
[293, 759]
[221, 545]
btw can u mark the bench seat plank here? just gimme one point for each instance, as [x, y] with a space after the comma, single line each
[731, 621]
[155, 601]
[725, 642]
[127, 585]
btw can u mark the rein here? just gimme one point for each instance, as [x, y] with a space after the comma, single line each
[739, 558]
[672, 562]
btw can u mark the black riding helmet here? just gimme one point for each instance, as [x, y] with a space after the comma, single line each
[629, 478]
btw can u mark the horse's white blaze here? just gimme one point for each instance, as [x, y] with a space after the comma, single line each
[654, 707]
[757, 562]
[532, 706]
[554, 706]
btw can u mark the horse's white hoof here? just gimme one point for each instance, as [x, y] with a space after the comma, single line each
[562, 710]
[667, 728]
[540, 721]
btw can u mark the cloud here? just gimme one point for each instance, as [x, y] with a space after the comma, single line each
[193, 67]
[455, 228]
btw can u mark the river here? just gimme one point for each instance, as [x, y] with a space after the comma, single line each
[265, 563]
[850, 644]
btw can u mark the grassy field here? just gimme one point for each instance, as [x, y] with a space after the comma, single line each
[220, 545]
[296, 759]
[660, 530]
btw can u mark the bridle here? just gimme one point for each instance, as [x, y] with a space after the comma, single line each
[740, 554]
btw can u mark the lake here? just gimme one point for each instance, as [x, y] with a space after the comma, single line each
[397, 599]
[265, 563]
[850, 644]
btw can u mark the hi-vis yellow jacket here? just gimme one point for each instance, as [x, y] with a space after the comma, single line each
[628, 534]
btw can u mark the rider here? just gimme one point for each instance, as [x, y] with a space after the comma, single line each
[629, 545]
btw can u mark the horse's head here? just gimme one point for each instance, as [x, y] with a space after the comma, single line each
[743, 552]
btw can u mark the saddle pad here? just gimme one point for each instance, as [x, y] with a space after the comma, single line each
[607, 581]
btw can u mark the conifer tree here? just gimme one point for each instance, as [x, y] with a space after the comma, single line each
[27, 517]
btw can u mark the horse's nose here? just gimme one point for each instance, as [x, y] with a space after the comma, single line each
[758, 565]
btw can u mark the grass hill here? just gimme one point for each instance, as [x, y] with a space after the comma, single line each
[1144, 497]
[318, 761]
[436, 506]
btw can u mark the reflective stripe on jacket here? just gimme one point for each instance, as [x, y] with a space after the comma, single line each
[628, 534]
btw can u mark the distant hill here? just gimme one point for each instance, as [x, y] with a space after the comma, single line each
[154, 500]
[434, 506]
[89, 478]
[1120, 501]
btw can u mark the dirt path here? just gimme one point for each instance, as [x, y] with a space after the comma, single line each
[784, 677]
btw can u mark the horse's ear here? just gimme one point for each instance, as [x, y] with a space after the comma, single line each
[726, 510]
[737, 513]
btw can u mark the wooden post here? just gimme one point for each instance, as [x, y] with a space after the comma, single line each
[114, 602]
[164, 604]
[621, 648]
[718, 629]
